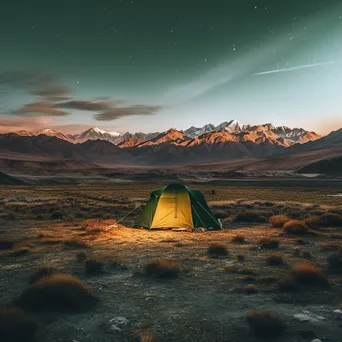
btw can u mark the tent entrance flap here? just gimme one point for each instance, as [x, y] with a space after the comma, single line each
[173, 210]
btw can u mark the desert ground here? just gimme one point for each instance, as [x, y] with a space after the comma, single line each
[70, 259]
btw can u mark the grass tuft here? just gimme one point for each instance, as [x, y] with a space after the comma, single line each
[251, 289]
[278, 221]
[216, 250]
[76, 243]
[6, 243]
[162, 268]
[274, 260]
[265, 323]
[93, 266]
[238, 239]
[269, 243]
[42, 272]
[252, 216]
[57, 292]
[295, 227]
[16, 325]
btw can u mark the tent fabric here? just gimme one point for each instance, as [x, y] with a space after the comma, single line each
[177, 206]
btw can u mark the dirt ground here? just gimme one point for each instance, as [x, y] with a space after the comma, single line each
[206, 302]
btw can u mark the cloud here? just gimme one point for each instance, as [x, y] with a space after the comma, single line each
[44, 86]
[87, 105]
[40, 108]
[109, 110]
[120, 112]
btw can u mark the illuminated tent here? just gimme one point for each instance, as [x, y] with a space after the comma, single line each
[177, 206]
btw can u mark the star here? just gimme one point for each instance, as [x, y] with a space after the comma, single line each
[78, 82]
[205, 59]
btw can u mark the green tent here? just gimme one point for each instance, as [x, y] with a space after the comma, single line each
[177, 206]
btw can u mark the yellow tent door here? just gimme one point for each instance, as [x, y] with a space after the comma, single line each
[173, 211]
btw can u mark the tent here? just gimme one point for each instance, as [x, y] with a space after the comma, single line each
[177, 206]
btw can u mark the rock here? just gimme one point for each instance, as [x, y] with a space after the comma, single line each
[117, 323]
[316, 340]
[305, 317]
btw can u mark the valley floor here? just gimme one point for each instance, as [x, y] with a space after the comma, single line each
[210, 298]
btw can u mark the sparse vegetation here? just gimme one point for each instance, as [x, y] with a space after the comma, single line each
[250, 216]
[93, 266]
[75, 243]
[56, 292]
[238, 239]
[16, 325]
[278, 221]
[274, 260]
[251, 289]
[269, 243]
[305, 274]
[6, 243]
[41, 272]
[335, 261]
[162, 268]
[265, 323]
[216, 250]
[20, 251]
[295, 227]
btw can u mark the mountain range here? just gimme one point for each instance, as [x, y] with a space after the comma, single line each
[227, 142]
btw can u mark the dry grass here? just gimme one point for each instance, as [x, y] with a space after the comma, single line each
[278, 221]
[238, 239]
[269, 243]
[335, 261]
[216, 250]
[41, 272]
[76, 242]
[6, 243]
[56, 292]
[306, 274]
[20, 251]
[250, 216]
[331, 220]
[295, 227]
[16, 325]
[251, 289]
[162, 268]
[265, 323]
[93, 266]
[274, 260]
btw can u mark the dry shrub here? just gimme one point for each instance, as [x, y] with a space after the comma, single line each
[251, 289]
[143, 336]
[238, 239]
[93, 266]
[51, 240]
[288, 284]
[269, 243]
[307, 274]
[75, 242]
[295, 227]
[278, 221]
[216, 250]
[6, 243]
[331, 220]
[56, 292]
[335, 261]
[162, 268]
[231, 268]
[274, 260]
[250, 216]
[95, 230]
[265, 323]
[20, 251]
[300, 242]
[16, 325]
[81, 256]
[57, 215]
[41, 272]
[313, 221]
[241, 258]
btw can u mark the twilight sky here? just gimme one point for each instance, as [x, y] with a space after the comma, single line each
[148, 65]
